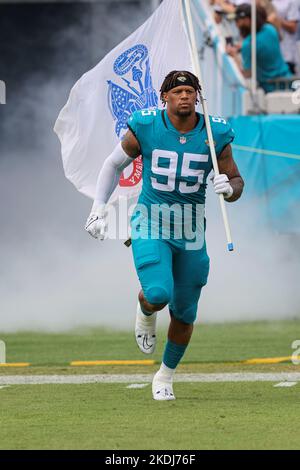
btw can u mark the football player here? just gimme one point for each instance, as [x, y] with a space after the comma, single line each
[170, 257]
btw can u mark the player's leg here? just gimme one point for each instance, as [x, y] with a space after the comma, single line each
[153, 262]
[190, 271]
[147, 306]
[145, 323]
[179, 335]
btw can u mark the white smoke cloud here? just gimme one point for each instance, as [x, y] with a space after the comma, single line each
[258, 281]
[55, 277]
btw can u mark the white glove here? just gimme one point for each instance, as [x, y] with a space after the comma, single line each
[222, 186]
[96, 222]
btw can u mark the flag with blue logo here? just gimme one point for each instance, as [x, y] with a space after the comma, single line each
[128, 79]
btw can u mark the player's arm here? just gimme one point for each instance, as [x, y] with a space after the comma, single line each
[229, 182]
[108, 179]
[131, 145]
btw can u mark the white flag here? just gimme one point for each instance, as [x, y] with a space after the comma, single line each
[127, 79]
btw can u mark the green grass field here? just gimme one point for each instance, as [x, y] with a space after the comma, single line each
[226, 415]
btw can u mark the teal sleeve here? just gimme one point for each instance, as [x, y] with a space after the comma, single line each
[222, 132]
[228, 136]
[133, 124]
[139, 123]
[226, 139]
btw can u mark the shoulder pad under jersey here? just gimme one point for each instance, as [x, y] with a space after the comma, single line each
[222, 131]
[220, 125]
[143, 117]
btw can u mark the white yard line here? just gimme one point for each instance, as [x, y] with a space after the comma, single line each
[146, 378]
[286, 384]
[137, 385]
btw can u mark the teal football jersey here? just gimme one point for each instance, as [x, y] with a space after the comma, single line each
[175, 165]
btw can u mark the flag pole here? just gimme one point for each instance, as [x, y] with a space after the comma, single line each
[253, 49]
[197, 70]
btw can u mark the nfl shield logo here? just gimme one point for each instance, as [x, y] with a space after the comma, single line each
[182, 139]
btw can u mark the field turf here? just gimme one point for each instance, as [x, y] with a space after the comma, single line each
[242, 415]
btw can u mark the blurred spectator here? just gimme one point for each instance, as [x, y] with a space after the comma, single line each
[270, 63]
[223, 6]
[237, 3]
[227, 29]
[231, 5]
[224, 12]
[268, 6]
[272, 16]
[220, 14]
[288, 17]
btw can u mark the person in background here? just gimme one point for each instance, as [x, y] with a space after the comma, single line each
[288, 18]
[228, 31]
[270, 10]
[231, 6]
[223, 5]
[270, 62]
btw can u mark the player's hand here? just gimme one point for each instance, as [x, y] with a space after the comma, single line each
[96, 222]
[222, 185]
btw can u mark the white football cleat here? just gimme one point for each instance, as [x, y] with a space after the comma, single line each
[161, 389]
[145, 331]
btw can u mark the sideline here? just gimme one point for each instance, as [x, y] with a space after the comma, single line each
[146, 378]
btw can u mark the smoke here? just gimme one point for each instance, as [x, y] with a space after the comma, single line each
[54, 277]
[258, 281]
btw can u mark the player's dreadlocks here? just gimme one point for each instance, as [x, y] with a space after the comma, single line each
[175, 78]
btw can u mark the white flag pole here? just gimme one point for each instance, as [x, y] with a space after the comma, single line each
[197, 70]
[253, 49]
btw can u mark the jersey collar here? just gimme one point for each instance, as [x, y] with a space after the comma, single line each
[167, 123]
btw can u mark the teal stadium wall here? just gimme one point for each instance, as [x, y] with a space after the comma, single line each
[267, 151]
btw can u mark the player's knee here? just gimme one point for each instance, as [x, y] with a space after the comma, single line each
[186, 315]
[158, 296]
